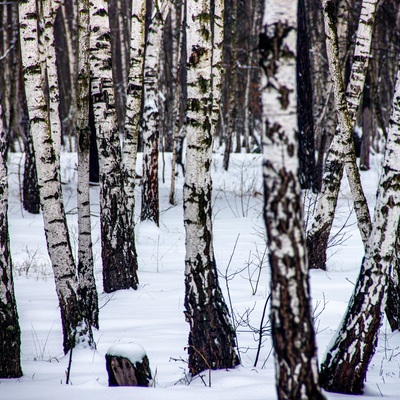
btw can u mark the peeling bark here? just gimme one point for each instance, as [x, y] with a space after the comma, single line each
[341, 152]
[133, 106]
[345, 366]
[87, 283]
[211, 337]
[75, 328]
[118, 247]
[291, 318]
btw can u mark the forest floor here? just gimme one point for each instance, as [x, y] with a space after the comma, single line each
[153, 315]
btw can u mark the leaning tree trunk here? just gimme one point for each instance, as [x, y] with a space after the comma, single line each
[10, 334]
[74, 326]
[324, 119]
[118, 250]
[87, 283]
[345, 367]
[341, 152]
[291, 316]
[211, 337]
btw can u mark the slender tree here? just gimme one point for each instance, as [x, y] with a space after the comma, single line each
[118, 247]
[10, 335]
[150, 118]
[80, 99]
[133, 106]
[345, 366]
[291, 318]
[47, 13]
[305, 104]
[342, 152]
[324, 117]
[177, 24]
[75, 327]
[211, 337]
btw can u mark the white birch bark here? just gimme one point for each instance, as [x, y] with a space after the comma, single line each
[133, 104]
[87, 283]
[324, 117]
[10, 334]
[151, 112]
[75, 329]
[292, 329]
[176, 11]
[341, 152]
[118, 249]
[47, 11]
[345, 367]
[211, 337]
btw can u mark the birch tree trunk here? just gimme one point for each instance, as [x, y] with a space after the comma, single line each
[228, 96]
[75, 329]
[16, 119]
[150, 119]
[211, 337]
[177, 25]
[341, 152]
[118, 248]
[322, 98]
[87, 283]
[47, 12]
[345, 366]
[133, 106]
[10, 334]
[291, 318]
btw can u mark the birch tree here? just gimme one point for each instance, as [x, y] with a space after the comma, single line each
[118, 248]
[75, 328]
[177, 26]
[133, 106]
[16, 119]
[80, 99]
[291, 318]
[150, 118]
[47, 12]
[341, 152]
[211, 337]
[10, 334]
[345, 366]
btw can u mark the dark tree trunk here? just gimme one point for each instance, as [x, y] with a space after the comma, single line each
[94, 169]
[368, 125]
[10, 335]
[305, 105]
[124, 371]
[392, 308]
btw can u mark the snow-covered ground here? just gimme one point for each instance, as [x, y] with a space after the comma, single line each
[152, 316]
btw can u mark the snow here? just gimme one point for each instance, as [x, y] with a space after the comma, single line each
[134, 352]
[152, 316]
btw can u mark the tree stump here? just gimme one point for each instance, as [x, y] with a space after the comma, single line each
[128, 365]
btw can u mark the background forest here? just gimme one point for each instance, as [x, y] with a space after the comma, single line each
[216, 181]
